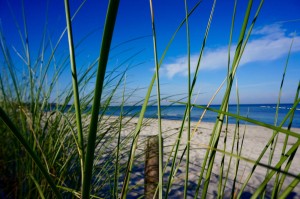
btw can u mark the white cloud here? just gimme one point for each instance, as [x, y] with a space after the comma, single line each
[270, 43]
[272, 31]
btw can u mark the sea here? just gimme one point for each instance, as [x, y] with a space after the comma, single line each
[262, 112]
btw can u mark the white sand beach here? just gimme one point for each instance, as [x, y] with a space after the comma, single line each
[255, 140]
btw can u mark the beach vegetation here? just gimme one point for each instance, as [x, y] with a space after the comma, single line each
[73, 142]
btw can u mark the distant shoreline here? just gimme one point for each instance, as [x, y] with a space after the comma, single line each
[261, 112]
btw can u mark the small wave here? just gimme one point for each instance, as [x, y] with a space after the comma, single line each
[265, 106]
[297, 109]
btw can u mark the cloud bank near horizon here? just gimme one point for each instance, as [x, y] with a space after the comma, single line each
[271, 42]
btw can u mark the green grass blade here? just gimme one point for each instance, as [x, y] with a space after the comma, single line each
[230, 37]
[37, 186]
[104, 53]
[177, 144]
[221, 168]
[290, 188]
[188, 103]
[117, 169]
[160, 141]
[75, 87]
[239, 153]
[28, 60]
[29, 150]
[287, 167]
[236, 134]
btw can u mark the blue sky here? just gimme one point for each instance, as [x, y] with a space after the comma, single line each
[259, 74]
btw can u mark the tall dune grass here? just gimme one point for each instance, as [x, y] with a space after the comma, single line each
[74, 149]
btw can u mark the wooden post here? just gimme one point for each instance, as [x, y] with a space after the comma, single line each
[151, 167]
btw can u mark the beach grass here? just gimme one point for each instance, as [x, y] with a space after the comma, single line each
[74, 149]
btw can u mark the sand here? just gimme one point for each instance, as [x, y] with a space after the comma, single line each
[254, 142]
